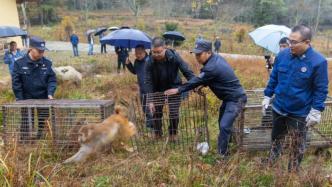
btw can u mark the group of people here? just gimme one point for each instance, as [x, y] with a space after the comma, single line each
[122, 53]
[74, 40]
[297, 87]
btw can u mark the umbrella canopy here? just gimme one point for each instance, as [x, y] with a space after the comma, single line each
[269, 36]
[100, 30]
[113, 28]
[90, 31]
[128, 38]
[10, 31]
[174, 35]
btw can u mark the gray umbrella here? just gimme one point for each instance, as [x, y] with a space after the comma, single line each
[90, 31]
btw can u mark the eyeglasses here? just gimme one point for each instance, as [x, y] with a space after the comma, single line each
[294, 42]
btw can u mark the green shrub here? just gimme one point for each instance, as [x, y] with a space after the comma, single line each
[171, 26]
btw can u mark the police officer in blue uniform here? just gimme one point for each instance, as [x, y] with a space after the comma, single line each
[33, 78]
[299, 83]
[221, 79]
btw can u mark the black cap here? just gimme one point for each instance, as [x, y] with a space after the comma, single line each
[201, 46]
[37, 42]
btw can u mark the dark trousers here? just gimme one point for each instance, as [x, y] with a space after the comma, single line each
[174, 103]
[228, 112]
[103, 48]
[145, 108]
[121, 61]
[75, 50]
[28, 121]
[296, 127]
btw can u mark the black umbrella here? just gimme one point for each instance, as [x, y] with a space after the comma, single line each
[10, 31]
[174, 35]
[100, 30]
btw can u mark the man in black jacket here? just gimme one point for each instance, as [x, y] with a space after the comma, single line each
[139, 69]
[221, 79]
[122, 54]
[162, 73]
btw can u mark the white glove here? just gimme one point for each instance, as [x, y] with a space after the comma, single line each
[265, 104]
[313, 117]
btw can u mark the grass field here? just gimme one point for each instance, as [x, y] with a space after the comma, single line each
[41, 167]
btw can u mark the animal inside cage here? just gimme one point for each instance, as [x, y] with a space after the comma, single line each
[53, 122]
[178, 121]
[253, 130]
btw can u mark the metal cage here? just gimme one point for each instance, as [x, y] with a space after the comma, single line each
[178, 121]
[53, 122]
[253, 130]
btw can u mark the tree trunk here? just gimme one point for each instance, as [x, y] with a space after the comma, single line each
[86, 6]
[318, 15]
[41, 17]
[25, 18]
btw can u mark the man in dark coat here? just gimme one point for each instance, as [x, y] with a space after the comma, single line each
[217, 45]
[221, 79]
[139, 69]
[162, 73]
[122, 54]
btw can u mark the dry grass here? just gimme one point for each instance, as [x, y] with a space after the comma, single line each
[23, 167]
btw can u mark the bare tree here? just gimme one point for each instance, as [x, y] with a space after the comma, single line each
[135, 6]
[318, 15]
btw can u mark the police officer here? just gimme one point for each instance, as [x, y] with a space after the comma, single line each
[33, 78]
[220, 77]
[299, 83]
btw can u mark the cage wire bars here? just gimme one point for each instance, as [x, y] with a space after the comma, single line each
[178, 121]
[53, 122]
[252, 130]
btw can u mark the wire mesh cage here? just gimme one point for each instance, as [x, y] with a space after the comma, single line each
[253, 130]
[178, 121]
[53, 122]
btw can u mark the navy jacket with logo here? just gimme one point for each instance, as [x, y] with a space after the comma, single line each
[298, 83]
[33, 79]
[220, 77]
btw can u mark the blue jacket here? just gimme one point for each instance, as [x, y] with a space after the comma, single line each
[139, 69]
[33, 79]
[298, 83]
[10, 58]
[74, 39]
[160, 76]
[220, 77]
